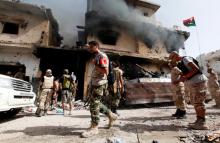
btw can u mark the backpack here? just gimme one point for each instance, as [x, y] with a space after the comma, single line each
[66, 82]
[184, 69]
[111, 76]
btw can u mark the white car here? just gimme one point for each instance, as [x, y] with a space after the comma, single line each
[14, 95]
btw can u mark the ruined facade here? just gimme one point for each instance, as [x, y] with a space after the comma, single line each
[131, 35]
[213, 59]
[29, 39]
[23, 28]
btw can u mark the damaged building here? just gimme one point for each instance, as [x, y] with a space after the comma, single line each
[212, 59]
[29, 39]
[24, 28]
[129, 33]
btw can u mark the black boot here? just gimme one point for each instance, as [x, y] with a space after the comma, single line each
[114, 110]
[45, 113]
[176, 114]
[39, 112]
[182, 114]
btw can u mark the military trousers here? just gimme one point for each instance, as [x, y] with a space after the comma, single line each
[96, 105]
[198, 93]
[45, 99]
[179, 97]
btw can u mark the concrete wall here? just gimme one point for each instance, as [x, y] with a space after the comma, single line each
[157, 50]
[29, 34]
[125, 43]
[68, 13]
[23, 56]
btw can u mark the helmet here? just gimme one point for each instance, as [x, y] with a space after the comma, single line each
[49, 71]
[66, 71]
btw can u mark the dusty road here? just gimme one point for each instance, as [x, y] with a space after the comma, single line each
[134, 125]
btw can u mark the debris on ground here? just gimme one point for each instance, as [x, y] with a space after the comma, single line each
[213, 136]
[31, 109]
[115, 140]
[79, 105]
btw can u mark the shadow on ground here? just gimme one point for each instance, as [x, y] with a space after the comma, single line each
[141, 128]
[4, 118]
[48, 130]
[144, 119]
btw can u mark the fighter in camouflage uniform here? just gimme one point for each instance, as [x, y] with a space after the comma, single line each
[46, 87]
[117, 88]
[197, 84]
[180, 91]
[65, 85]
[98, 85]
[213, 86]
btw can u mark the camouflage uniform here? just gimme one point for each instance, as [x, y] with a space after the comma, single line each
[99, 85]
[96, 105]
[66, 96]
[117, 88]
[187, 92]
[45, 95]
[198, 92]
[179, 88]
[45, 99]
[213, 87]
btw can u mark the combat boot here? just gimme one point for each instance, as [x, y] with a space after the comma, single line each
[93, 130]
[112, 117]
[182, 114]
[114, 110]
[176, 113]
[37, 112]
[200, 124]
[40, 113]
[45, 113]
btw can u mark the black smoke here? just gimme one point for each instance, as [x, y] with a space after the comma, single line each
[117, 15]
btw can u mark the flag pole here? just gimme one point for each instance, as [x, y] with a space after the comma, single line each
[198, 42]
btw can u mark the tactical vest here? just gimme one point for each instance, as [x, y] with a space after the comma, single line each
[185, 70]
[48, 82]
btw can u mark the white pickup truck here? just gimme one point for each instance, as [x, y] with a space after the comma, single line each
[14, 95]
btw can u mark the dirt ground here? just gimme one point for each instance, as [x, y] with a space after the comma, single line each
[135, 125]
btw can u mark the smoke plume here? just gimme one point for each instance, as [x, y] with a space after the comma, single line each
[117, 15]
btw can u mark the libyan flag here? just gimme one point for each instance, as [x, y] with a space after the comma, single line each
[189, 22]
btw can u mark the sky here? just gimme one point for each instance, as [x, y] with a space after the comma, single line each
[205, 36]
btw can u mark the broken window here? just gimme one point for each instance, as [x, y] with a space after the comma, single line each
[10, 28]
[108, 37]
